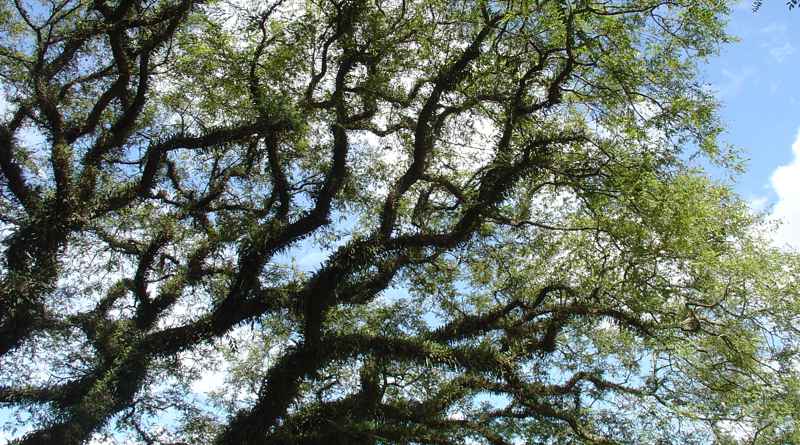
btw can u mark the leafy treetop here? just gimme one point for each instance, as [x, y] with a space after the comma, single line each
[513, 238]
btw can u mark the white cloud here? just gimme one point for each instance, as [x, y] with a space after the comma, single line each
[781, 52]
[775, 28]
[785, 182]
[758, 203]
[734, 81]
[777, 42]
[210, 381]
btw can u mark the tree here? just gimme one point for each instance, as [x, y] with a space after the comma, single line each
[515, 239]
[790, 3]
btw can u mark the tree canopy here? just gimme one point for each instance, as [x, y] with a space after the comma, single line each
[381, 222]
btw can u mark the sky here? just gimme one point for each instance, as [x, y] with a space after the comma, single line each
[757, 81]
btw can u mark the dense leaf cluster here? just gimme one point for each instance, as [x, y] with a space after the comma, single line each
[427, 221]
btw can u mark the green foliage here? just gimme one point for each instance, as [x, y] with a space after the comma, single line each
[381, 222]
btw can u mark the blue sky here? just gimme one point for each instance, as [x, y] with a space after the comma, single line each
[758, 82]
